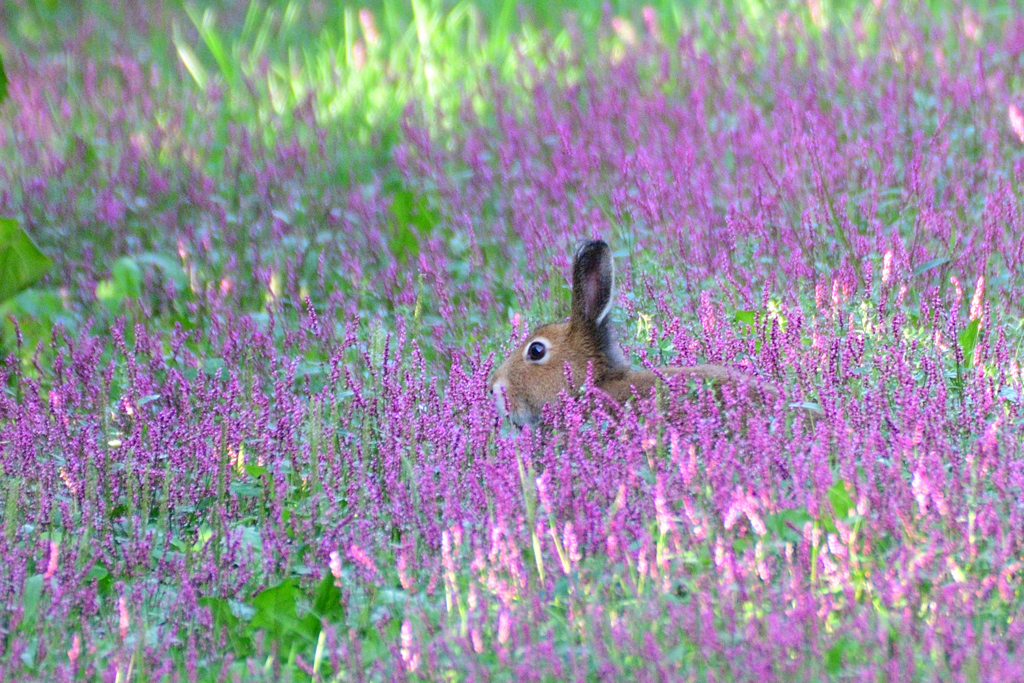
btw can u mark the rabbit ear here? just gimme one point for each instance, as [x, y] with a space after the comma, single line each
[593, 278]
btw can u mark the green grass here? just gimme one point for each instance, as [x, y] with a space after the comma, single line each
[274, 76]
[277, 61]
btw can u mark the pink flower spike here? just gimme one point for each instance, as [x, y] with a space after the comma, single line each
[76, 649]
[51, 567]
[1017, 121]
[335, 564]
[122, 614]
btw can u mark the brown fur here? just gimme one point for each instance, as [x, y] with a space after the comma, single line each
[585, 341]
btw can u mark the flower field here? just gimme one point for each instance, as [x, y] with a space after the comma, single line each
[245, 425]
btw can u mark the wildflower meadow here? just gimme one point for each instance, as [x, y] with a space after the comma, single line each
[259, 258]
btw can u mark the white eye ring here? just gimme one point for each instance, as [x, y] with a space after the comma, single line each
[543, 355]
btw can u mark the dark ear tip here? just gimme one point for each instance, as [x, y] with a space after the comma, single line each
[589, 247]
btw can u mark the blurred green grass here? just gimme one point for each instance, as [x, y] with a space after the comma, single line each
[277, 67]
[357, 65]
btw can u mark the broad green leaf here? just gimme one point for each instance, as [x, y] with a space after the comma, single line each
[97, 573]
[809, 406]
[276, 614]
[839, 496]
[38, 303]
[83, 152]
[929, 265]
[403, 242]
[107, 293]
[969, 339]
[168, 266]
[307, 368]
[251, 538]
[221, 612]
[745, 317]
[412, 218]
[31, 597]
[128, 277]
[788, 524]
[3, 81]
[22, 264]
[255, 470]
[243, 490]
[224, 618]
[103, 578]
[211, 366]
[276, 608]
[309, 626]
[125, 283]
[327, 599]
[835, 655]
[36, 311]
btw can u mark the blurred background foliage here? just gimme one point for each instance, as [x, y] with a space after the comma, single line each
[357, 64]
[338, 78]
[275, 67]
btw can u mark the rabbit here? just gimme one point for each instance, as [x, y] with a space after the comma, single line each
[534, 374]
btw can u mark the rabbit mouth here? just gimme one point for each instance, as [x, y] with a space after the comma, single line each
[521, 418]
[518, 415]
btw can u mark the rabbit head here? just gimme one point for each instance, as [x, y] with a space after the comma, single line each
[535, 373]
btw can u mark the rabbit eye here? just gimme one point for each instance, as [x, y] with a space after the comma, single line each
[537, 351]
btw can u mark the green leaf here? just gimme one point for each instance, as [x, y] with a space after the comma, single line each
[205, 28]
[788, 524]
[38, 303]
[190, 60]
[168, 266]
[221, 612]
[224, 618]
[30, 599]
[748, 324]
[22, 264]
[276, 614]
[107, 294]
[310, 627]
[3, 81]
[36, 311]
[307, 368]
[251, 538]
[255, 470]
[839, 496]
[411, 218]
[125, 283]
[745, 317]
[97, 573]
[809, 406]
[327, 599]
[928, 265]
[243, 490]
[128, 276]
[834, 655]
[81, 150]
[211, 366]
[969, 339]
[276, 609]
